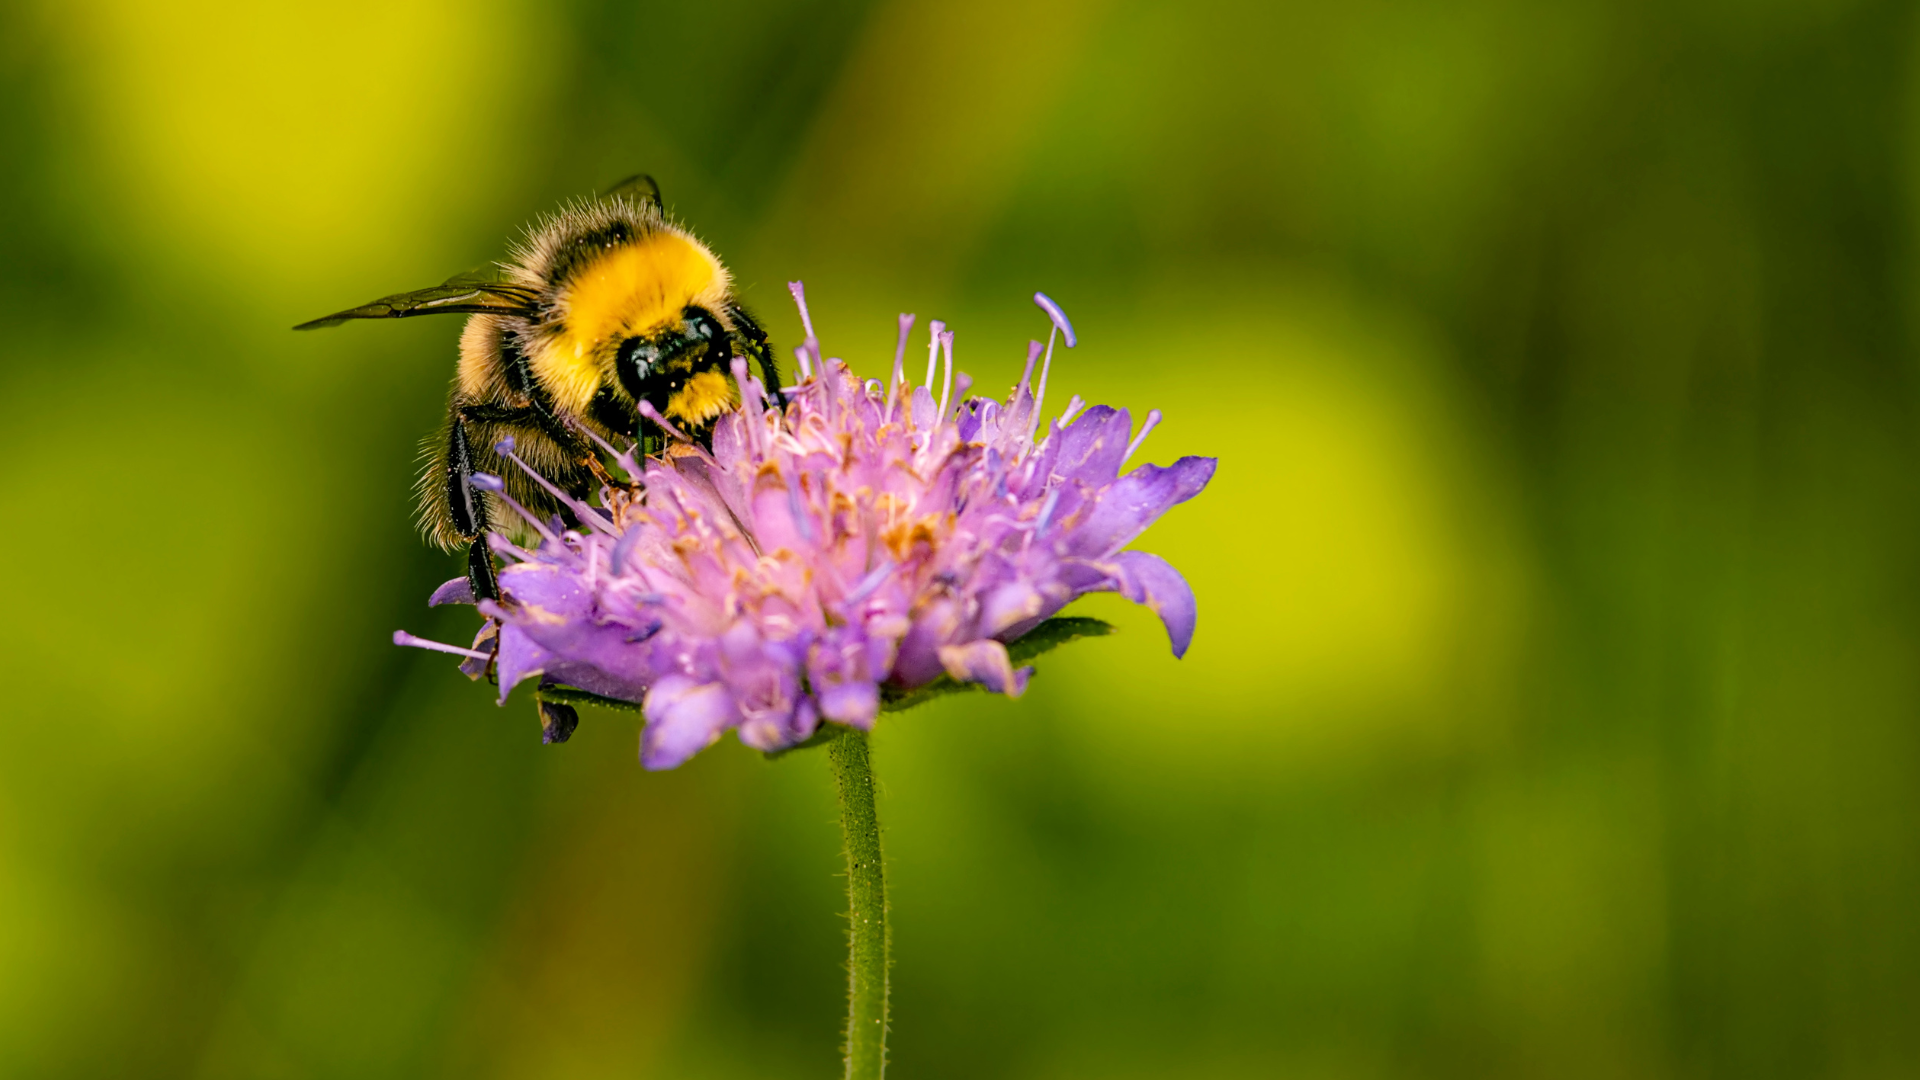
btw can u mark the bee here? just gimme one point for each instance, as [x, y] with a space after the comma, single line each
[606, 304]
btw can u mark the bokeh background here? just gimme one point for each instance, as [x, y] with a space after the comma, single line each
[1553, 711]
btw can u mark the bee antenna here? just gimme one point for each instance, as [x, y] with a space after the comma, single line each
[639, 186]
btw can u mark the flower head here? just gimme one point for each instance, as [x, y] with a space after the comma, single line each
[856, 542]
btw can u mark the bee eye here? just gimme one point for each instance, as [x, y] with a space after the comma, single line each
[634, 362]
[637, 354]
[702, 326]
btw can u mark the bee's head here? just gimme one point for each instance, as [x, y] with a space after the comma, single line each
[693, 341]
[679, 368]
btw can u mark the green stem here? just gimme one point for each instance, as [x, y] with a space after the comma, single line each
[867, 908]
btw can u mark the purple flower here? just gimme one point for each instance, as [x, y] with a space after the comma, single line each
[860, 542]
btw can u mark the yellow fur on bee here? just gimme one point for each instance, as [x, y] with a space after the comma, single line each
[479, 373]
[630, 291]
[705, 396]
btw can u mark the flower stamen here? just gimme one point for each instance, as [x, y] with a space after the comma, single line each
[647, 410]
[1152, 421]
[1060, 325]
[809, 352]
[946, 383]
[490, 482]
[401, 637]
[580, 510]
[933, 351]
[899, 360]
[1026, 377]
[1058, 316]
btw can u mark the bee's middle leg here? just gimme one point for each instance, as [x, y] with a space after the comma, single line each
[468, 512]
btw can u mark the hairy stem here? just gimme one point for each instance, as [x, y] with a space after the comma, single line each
[867, 908]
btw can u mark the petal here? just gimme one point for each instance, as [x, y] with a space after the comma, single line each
[806, 720]
[855, 703]
[765, 734]
[483, 641]
[611, 659]
[986, 663]
[730, 438]
[978, 420]
[1151, 580]
[1093, 446]
[922, 408]
[918, 660]
[1009, 605]
[520, 658]
[1135, 502]
[548, 586]
[684, 717]
[457, 591]
[591, 678]
[777, 516]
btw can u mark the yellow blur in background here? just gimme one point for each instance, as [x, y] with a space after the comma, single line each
[1553, 708]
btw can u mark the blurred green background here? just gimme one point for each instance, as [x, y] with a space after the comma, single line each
[1553, 709]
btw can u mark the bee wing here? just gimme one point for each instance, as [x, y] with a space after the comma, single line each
[486, 274]
[457, 296]
[640, 188]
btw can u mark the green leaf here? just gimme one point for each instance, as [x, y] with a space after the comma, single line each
[892, 700]
[569, 695]
[1042, 639]
[825, 733]
[1054, 633]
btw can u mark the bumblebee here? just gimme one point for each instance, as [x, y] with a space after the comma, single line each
[606, 304]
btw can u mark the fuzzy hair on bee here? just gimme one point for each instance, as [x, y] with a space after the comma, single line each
[605, 305]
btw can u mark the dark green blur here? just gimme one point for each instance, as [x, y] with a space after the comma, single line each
[1555, 706]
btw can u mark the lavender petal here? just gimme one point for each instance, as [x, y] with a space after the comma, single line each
[1151, 580]
[684, 717]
